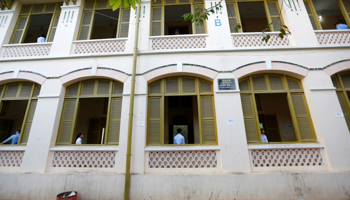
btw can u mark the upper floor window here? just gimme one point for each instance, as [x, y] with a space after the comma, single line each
[93, 108]
[181, 102]
[324, 14]
[36, 20]
[17, 107]
[342, 82]
[99, 21]
[254, 16]
[167, 17]
[277, 105]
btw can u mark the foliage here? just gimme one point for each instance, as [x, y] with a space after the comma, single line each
[126, 3]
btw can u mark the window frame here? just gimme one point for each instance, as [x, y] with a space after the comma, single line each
[340, 89]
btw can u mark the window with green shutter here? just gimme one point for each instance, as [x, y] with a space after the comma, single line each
[181, 102]
[91, 107]
[17, 108]
[276, 104]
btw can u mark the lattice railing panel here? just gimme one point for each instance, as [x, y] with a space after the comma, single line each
[99, 47]
[26, 50]
[182, 159]
[84, 159]
[11, 158]
[286, 157]
[179, 43]
[255, 40]
[333, 37]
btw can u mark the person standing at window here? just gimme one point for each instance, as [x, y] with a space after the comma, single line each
[341, 26]
[79, 139]
[14, 138]
[179, 138]
[263, 136]
[41, 39]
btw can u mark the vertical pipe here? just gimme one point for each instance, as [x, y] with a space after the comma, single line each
[131, 108]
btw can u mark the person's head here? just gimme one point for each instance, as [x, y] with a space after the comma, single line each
[42, 35]
[179, 130]
[177, 32]
[18, 131]
[262, 131]
[80, 135]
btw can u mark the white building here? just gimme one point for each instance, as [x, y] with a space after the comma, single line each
[219, 86]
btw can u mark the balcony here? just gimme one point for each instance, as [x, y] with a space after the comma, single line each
[327, 37]
[195, 41]
[26, 50]
[255, 40]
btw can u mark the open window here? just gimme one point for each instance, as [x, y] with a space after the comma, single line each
[254, 16]
[17, 107]
[324, 14]
[341, 82]
[276, 104]
[99, 21]
[93, 108]
[185, 103]
[167, 17]
[36, 20]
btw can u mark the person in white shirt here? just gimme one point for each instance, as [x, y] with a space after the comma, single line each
[263, 136]
[79, 138]
[41, 39]
[179, 139]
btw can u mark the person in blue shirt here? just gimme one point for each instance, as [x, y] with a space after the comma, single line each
[179, 139]
[341, 26]
[14, 138]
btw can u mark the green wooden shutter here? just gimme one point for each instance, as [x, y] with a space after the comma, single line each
[21, 26]
[124, 26]
[26, 90]
[275, 15]
[85, 26]
[157, 21]
[188, 85]
[232, 18]
[249, 118]
[200, 29]
[88, 88]
[311, 16]
[208, 120]
[259, 82]
[114, 124]
[243, 85]
[303, 120]
[205, 86]
[12, 90]
[66, 126]
[103, 87]
[29, 121]
[154, 120]
[54, 27]
[276, 82]
[155, 88]
[172, 86]
[117, 88]
[344, 108]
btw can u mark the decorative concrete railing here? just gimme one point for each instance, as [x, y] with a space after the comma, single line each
[26, 50]
[196, 41]
[11, 158]
[84, 159]
[99, 46]
[255, 40]
[333, 36]
[286, 156]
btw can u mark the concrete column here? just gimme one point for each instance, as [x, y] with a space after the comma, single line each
[297, 20]
[44, 128]
[331, 129]
[218, 26]
[8, 19]
[67, 28]
[230, 128]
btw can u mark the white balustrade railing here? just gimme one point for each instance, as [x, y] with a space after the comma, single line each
[195, 41]
[333, 36]
[26, 50]
[99, 46]
[255, 40]
[10, 158]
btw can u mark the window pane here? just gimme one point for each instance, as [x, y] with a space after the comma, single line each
[105, 24]
[174, 20]
[328, 13]
[253, 16]
[39, 24]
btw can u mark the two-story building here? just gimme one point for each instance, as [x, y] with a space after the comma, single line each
[221, 85]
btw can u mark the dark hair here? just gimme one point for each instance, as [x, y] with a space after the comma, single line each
[18, 130]
[42, 35]
[79, 134]
[178, 130]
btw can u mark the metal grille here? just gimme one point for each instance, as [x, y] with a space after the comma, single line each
[99, 47]
[11, 158]
[178, 43]
[182, 159]
[286, 157]
[84, 159]
[255, 40]
[26, 51]
[335, 37]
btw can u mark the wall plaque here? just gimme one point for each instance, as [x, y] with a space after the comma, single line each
[227, 84]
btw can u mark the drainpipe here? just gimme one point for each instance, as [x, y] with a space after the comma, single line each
[131, 108]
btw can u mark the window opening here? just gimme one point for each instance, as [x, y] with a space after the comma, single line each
[39, 24]
[105, 27]
[253, 16]
[174, 20]
[342, 83]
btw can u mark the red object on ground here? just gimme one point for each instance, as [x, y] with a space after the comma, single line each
[63, 196]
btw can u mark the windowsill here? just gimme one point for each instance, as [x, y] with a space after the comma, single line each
[9, 147]
[27, 44]
[181, 148]
[178, 36]
[254, 33]
[332, 30]
[285, 146]
[99, 40]
[84, 148]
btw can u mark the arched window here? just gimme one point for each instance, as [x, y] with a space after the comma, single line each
[342, 82]
[275, 103]
[181, 102]
[17, 106]
[91, 107]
